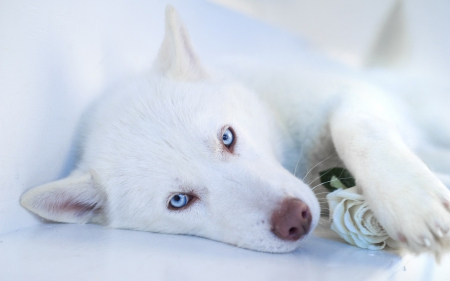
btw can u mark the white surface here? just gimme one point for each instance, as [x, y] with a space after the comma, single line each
[90, 252]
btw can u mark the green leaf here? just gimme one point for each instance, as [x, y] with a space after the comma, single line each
[336, 178]
[336, 183]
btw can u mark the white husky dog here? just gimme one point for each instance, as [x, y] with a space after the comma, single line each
[185, 151]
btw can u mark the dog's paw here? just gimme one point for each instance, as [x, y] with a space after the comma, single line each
[418, 216]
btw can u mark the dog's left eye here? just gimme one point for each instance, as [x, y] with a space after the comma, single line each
[228, 137]
[179, 200]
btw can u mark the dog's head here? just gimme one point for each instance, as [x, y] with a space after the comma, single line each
[185, 153]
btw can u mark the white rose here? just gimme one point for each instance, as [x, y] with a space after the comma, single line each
[355, 222]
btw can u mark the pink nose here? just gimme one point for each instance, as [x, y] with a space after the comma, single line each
[292, 220]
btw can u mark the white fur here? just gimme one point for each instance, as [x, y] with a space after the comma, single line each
[158, 135]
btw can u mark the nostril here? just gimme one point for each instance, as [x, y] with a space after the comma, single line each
[293, 231]
[305, 214]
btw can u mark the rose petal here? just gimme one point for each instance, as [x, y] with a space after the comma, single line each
[369, 242]
[348, 218]
[379, 246]
[360, 242]
[344, 235]
[354, 221]
[375, 239]
[338, 217]
[349, 193]
[337, 196]
[333, 201]
[367, 222]
[372, 224]
[357, 213]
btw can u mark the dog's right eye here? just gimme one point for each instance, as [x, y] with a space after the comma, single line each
[228, 138]
[179, 201]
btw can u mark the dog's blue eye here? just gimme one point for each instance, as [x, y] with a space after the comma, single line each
[179, 200]
[227, 138]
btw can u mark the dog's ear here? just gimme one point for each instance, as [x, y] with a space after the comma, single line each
[176, 58]
[75, 199]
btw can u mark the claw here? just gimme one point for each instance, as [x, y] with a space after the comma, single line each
[439, 232]
[402, 238]
[447, 205]
[427, 242]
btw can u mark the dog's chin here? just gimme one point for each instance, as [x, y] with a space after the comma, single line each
[271, 243]
[266, 245]
[274, 247]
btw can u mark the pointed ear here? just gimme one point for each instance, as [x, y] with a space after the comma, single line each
[176, 58]
[75, 199]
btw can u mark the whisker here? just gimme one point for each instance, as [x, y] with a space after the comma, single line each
[334, 166]
[325, 192]
[320, 222]
[340, 174]
[317, 165]
[321, 227]
[300, 157]
[312, 188]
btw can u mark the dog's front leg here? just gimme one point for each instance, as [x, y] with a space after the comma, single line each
[410, 202]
